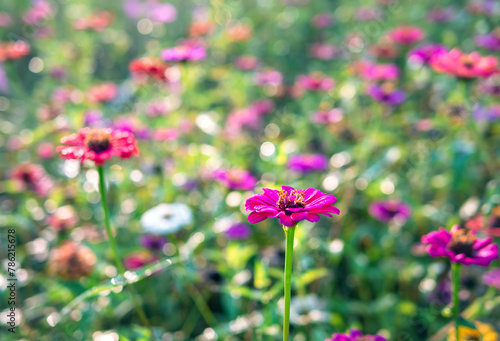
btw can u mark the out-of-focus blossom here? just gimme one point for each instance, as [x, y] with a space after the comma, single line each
[462, 65]
[5, 19]
[200, 28]
[63, 219]
[388, 211]
[148, 68]
[236, 179]
[305, 163]
[40, 11]
[422, 54]
[492, 278]
[439, 14]
[322, 20]
[461, 246]
[32, 177]
[166, 218]
[290, 205]
[355, 335]
[98, 145]
[315, 82]
[104, 92]
[239, 32]
[368, 14]
[262, 106]
[246, 63]
[379, 72]
[268, 77]
[385, 49]
[189, 50]
[324, 51]
[491, 41]
[94, 119]
[491, 85]
[71, 261]
[327, 117]
[136, 260]
[46, 150]
[158, 108]
[482, 7]
[490, 114]
[482, 331]
[165, 134]
[159, 12]
[58, 72]
[387, 94]
[305, 309]
[152, 241]
[13, 50]
[406, 35]
[238, 231]
[4, 81]
[163, 12]
[96, 21]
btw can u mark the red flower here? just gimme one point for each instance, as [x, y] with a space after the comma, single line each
[148, 67]
[98, 145]
[104, 92]
[463, 65]
[13, 50]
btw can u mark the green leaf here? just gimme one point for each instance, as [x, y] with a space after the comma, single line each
[465, 323]
[311, 276]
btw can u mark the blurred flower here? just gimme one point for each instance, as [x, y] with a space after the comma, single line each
[58, 72]
[152, 241]
[290, 205]
[239, 32]
[148, 68]
[32, 177]
[165, 134]
[46, 150]
[98, 145]
[166, 218]
[315, 82]
[494, 222]
[490, 42]
[492, 278]
[327, 117]
[462, 65]
[368, 14]
[238, 231]
[104, 92]
[482, 7]
[387, 94]
[378, 72]
[406, 35]
[355, 335]
[246, 63]
[236, 179]
[491, 85]
[422, 54]
[306, 309]
[63, 219]
[484, 332]
[262, 106]
[439, 14]
[461, 246]
[385, 49]
[138, 259]
[189, 50]
[268, 77]
[305, 163]
[71, 261]
[5, 19]
[490, 114]
[163, 12]
[322, 20]
[96, 21]
[4, 81]
[13, 50]
[387, 211]
[324, 51]
[40, 11]
[201, 27]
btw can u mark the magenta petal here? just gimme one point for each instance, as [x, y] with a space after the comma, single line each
[313, 217]
[299, 216]
[286, 220]
[256, 217]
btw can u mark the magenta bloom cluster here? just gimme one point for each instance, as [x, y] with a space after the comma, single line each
[461, 246]
[290, 205]
[355, 335]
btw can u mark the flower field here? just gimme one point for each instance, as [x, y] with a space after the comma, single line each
[250, 170]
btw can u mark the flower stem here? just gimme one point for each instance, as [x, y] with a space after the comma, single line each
[289, 232]
[114, 249]
[455, 268]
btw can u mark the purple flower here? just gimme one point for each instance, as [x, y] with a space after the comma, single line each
[490, 42]
[390, 210]
[187, 51]
[152, 241]
[387, 94]
[236, 179]
[290, 205]
[490, 114]
[491, 85]
[461, 246]
[492, 278]
[238, 231]
[423, 53]
[355, 335]
[305, 163]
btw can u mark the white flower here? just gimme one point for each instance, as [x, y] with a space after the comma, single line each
[166, 218]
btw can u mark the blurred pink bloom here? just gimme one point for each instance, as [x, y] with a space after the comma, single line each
[327, 117]
[268, 77]
[438, 14]
[462, 65]
[422, 54]
[492, 278]
[387, 211]
[136, 260]
[368, 14]
[236, 179]
[324, 51]
[355, 335]
[406, 35]
[165, 134]
[32, 177]
[246, 62]
[491, 41]
[46, 150]
[40, 11]
[5, 19]
[189, 50]
[322, 20]
[104, 92]
[305, 163]
[97, 21]
[63, 219]
[163, 12]
[315, 82]
[379, 72]
[13, 50]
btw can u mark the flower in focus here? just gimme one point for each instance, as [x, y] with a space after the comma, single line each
[104, 92]
[71, 261]
[189, 50]
[406, 35]
[152, 241]
[98, 145]
[63, 219]
[96, 21]
[146, 68]
[238, 231]
[166, 218]
[32, 177]
[355, 335]
[461, 65]
[387, 211]
[136, 260]
[315, 82]
[290, 205]
[490, 42]
[13, 50]
[423, 53]
[236, 179]
[484, 332]
[305, 163]
[461, 246]
[387, 94]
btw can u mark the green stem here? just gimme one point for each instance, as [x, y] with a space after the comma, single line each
[289, 232]
[114, 250]
[455, 268]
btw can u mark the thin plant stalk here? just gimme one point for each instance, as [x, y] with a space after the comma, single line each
[114, 249]
[455, 268]
[289, 232]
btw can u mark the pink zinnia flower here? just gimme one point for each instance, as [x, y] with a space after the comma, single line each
[462, 65]
[146, 68]
[355, 335]
[246, 63]
[461, 246]
[379, 72]
[315, 82]
[327, 117]
[290, 205]
[406, 35]
[236, 179]
[189, 50]
[269, 77]
[32, 177]
[324, 51]
[98, 145]
[423, 54]
[104, 92]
